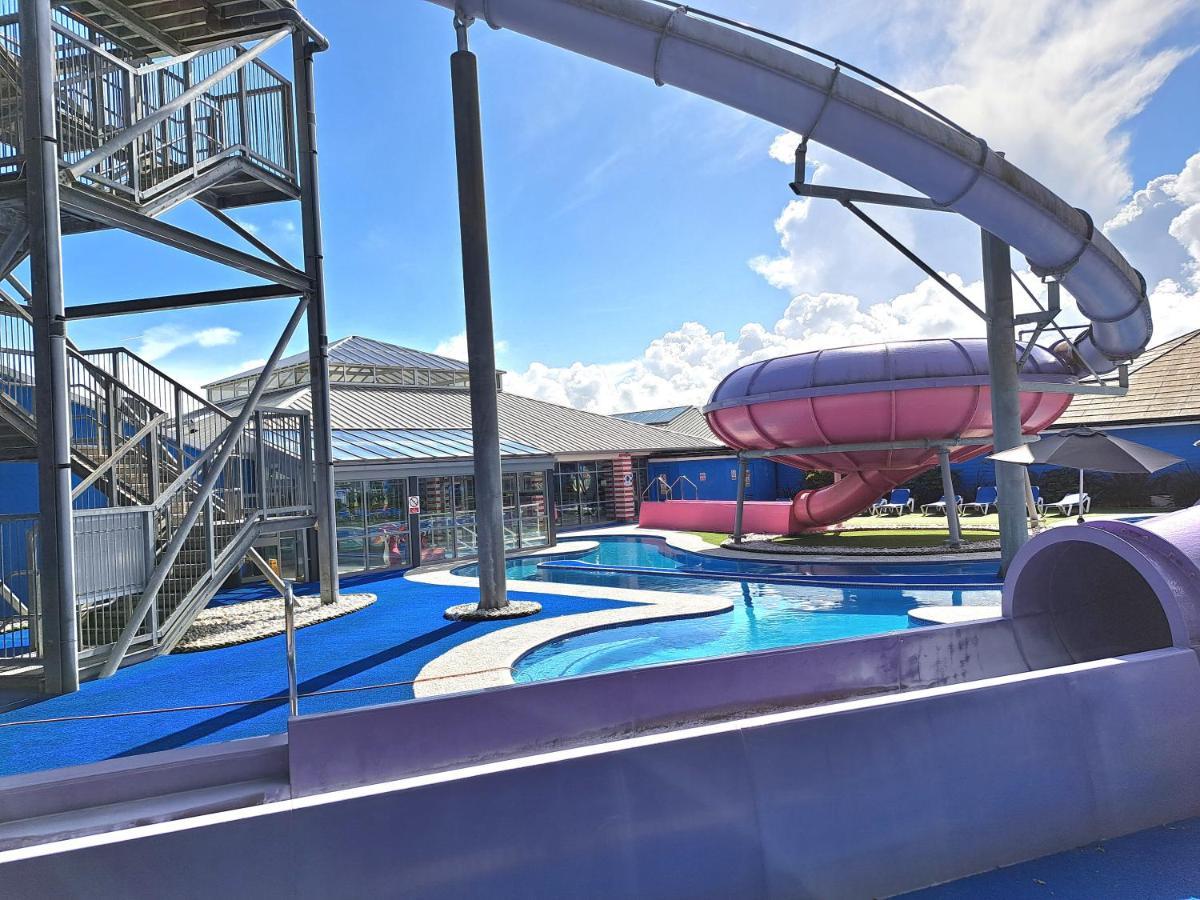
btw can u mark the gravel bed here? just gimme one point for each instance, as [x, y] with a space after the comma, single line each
[241, 623]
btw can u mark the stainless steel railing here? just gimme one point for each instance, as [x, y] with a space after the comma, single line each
[20, 621]
[101, 92]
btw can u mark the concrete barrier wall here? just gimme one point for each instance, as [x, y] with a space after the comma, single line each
[382, 743]
[865, 798]
[760, 516]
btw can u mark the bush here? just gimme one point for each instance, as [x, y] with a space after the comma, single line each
[814, 480]
[927, 487]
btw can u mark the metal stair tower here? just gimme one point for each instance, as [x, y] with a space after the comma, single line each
[112, 113]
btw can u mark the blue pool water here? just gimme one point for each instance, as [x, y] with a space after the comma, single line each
[775, 604]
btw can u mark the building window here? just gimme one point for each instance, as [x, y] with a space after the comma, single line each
[437, 519]
[372, 525]
[531, 499]
[350, 510]
[585, 493]
[387, 524]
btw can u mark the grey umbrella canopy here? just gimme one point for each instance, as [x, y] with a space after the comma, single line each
[1086, 448]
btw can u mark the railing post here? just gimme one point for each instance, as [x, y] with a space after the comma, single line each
[152, 447]
[133, 92]
[148, 544]
[289, 625]
[51, 395]
[210, 543]
[260, 462]
[180, 444]
[189, 119]
[243, 109]
[110, 400]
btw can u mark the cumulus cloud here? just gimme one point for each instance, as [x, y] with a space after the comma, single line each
[455, 346]
[1168, 206]
[1051, 82]
[684, 365]
[162, 340]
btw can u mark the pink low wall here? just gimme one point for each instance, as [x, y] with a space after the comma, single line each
[761, 516]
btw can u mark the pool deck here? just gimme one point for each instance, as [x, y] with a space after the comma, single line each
[952, 615]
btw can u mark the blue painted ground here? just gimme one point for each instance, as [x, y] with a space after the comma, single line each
[387, 642]
[1156, 864]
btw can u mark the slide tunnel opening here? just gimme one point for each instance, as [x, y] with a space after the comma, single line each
[1093, 600]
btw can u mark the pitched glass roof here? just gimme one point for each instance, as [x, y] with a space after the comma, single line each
[373, 444]
[654, 416]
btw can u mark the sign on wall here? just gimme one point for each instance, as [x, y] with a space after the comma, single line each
[414, 506]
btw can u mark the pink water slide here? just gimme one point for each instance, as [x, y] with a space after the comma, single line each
[910, 391]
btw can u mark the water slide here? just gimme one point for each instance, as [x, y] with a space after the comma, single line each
[849, 111]
[901, 391]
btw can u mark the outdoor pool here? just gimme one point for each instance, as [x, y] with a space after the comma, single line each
[775, 604]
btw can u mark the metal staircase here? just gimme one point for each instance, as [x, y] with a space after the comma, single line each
[135, 139]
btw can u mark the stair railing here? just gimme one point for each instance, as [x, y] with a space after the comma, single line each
[138, 130]
[216, 468]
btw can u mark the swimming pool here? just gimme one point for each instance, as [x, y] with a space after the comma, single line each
[775, 604]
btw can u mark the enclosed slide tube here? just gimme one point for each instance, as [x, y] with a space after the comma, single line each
[778, 83]
[911, 392]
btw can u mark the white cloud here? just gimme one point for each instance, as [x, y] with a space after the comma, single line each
[455, 346]
[684, 365]
[162, 340]
[1052, 83]
[1167, 207]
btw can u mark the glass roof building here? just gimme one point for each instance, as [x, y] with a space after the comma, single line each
[401, 423]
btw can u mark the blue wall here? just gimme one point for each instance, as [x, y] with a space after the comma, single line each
[716, 478]
[1176, 439]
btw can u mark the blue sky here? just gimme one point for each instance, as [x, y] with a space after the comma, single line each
[643, 240]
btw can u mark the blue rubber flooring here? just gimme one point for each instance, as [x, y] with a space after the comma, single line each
[1156, 864]
[389, 641]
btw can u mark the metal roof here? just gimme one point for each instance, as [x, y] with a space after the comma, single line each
[174, 27]
[663, 416]
[359, 445]
[534, 423]
[692, 421]
[356, 350]
[1164, 385]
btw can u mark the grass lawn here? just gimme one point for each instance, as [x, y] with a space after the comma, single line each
[917, 530]
[715, 538]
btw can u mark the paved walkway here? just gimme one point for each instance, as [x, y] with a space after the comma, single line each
[1156, 864]
[386, 643]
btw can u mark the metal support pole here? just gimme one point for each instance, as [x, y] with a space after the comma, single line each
[1005, 391]
[481, 350]
[318, 330]
[1035, 520]
[289, 626]
[950, 497]
[741, 500]
[56, 558]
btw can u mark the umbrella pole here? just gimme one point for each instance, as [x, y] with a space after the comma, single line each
[1080, 519]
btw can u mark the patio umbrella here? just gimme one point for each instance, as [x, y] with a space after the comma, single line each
[1086, 448]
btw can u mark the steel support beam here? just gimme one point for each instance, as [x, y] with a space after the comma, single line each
[740, 509]
[318, 330]
[179, 301]
[113, 215]
[948, 494]
[481, 350]
[1005, 394]
[844, 195]
[56, 551]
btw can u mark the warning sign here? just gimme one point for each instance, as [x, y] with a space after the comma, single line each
[414, 506]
